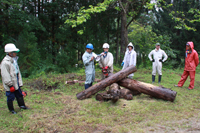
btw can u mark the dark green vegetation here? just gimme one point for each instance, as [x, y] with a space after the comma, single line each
[56, 109]
[48, 44]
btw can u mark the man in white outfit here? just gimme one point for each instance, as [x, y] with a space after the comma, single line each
[157, 61]
[129, 58]
[106, 60]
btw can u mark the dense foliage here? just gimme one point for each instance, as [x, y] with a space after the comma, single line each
[52, 34]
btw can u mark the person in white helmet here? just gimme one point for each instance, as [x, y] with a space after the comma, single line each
[106, 60]
[11, 77]
[157, 61]
[129, 58]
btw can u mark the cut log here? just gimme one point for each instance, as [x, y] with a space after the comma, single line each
[128, 97]
[114, 89]
[103, 97]
[124, 92]
[149, 89]
[106, 82]
[115, 92]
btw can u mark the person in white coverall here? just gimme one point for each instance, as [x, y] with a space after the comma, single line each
[129, 58]
[88, 61]
[106, 60]
[157, 61]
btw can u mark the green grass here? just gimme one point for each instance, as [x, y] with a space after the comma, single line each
[55, 108]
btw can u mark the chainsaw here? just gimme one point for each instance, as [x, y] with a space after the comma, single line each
[105, 71]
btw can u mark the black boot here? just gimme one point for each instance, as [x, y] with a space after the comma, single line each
[10, 107]
[153, 78]
[21, 103]
[159, 78]
[87, 86]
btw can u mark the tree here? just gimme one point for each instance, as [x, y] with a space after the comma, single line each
[127, 8]
[177, 20]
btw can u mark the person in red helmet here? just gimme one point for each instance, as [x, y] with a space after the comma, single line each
[191, 62]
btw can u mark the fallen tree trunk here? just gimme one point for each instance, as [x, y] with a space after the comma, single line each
[106, 82]
[149, 89]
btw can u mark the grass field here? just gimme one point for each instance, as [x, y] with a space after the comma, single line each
[55, 108]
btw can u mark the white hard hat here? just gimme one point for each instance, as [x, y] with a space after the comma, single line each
[105, 45]
[10, 47]
[130, 44]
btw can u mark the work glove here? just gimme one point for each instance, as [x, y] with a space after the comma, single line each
[12, 89]
[106, 67]
[122, 64]
[160, 60]
[153, 60]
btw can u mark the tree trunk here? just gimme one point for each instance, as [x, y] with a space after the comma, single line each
[124, 31]
[149, 89]
[117, 46]
[106, 82]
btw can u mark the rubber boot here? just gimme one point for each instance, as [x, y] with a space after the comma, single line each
[87, 86]
[21, 103]
[153, 78]
[10, 107]
[159, 78]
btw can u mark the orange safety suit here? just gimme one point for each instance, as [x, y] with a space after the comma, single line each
[191, 62]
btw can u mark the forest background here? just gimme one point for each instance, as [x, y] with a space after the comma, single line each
[52, 34]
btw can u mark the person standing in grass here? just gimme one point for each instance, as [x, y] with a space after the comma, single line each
[11, 77]
[191, 62]
[106, 60]
[157, 61]
[88, 61]
[129, 58]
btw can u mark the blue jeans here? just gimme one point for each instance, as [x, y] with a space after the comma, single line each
[17, 93]
[11, 95]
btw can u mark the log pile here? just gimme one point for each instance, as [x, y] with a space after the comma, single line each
[106, 82]
[133, 87]
[115, 93]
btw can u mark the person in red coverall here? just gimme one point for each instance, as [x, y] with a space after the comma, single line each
[191, 62]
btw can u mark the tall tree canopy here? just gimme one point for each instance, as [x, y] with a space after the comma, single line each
[52, 34]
